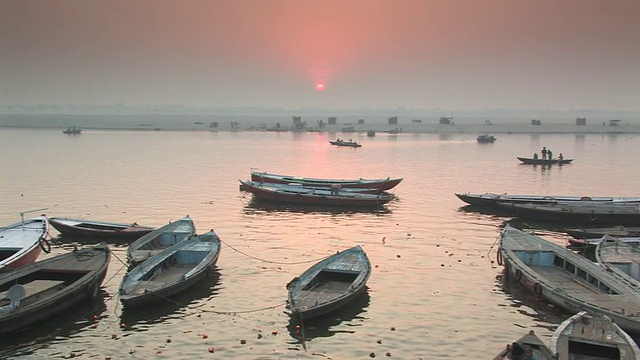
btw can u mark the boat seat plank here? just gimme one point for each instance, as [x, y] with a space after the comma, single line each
[322, 293]
[35, 290]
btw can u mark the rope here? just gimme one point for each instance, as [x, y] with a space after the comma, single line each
[491, 249]
[274, 262]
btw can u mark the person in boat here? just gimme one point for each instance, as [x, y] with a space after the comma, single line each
[535, 156]
[544, 153]
[517, 352]
[350, 140]
[560, 157]
[335, 189]
[549, 154]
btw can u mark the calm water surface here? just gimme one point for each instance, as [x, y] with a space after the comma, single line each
[435, 291]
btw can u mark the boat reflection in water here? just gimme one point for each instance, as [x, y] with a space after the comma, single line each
[178, 306]
[342, 321]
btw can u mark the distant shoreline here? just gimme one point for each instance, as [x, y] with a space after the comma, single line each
[474, 126]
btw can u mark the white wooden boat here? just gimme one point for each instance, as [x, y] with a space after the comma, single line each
[329, 284]
[171, 271]
[21, 243]
[160, 239]
[539, 349]
[566, 279]
[621, 259]
[589, 336]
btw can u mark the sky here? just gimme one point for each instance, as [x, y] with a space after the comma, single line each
[450, 54]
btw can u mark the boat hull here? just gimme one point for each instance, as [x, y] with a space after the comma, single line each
[81, 272]
[566, 279]
[531, 161]
[296, 195]
[330, 284]
[155, 279]
[599, 214]
[79, 227]
[28, 237]
[154, 242]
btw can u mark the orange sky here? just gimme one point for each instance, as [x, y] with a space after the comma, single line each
[464, 54]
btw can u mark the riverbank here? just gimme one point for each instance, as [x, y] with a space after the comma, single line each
[354, 124]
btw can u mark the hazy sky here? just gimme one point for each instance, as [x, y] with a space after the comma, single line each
[460, 54]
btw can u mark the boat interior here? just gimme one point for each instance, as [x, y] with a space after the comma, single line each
[583, 349]
[165, 240]
[6, 253]
[39, 285]
[558, 269]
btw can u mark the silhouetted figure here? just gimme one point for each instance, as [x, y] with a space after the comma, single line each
[544, 153]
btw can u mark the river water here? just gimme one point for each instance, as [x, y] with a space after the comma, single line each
[435, 291]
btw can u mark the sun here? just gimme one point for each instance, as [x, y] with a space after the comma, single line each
[320, 86]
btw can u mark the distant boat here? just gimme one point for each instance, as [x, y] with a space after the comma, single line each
[583, 212]
[617, 231]
[73, 130]
[329, 284]
[171, 271]
[588, 335]
[485, 138]
[345, 143]
[533, 161]
[160, 239]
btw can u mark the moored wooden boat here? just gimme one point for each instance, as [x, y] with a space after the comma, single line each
[566, 279]
[491, 199]
[83, 227]
[313, 189]
[584, 212]
[539, 349]
[21, 243]
[329, 284]
[532, 161]
[588, 336]
[171, 271]
[297, 195]
[48, 287]
[621, 259]
[159, 239]
[380, 184]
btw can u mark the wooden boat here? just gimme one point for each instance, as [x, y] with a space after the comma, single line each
[171, 271]
[491, 199]
[159, 239]
[47, 287]
[329, 284]
[587, 336]
[345, 143]
[621, 259]
[486, 138]
[532, 161]
[298, 195]
[311, 188]
[540, 351]
[616, 231]
[566, 279]
[584, 212]
[21, 243]
[380, 184]
[83, 227]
